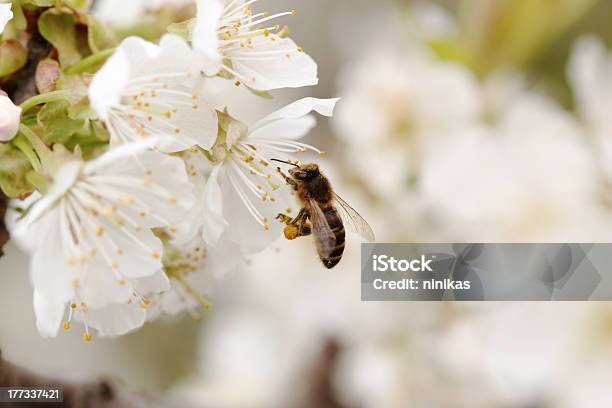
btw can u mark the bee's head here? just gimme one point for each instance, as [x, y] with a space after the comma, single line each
[305, 172]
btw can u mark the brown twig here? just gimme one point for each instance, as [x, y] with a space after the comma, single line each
[4, 235]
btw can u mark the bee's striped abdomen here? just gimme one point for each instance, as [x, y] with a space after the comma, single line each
[337, 227]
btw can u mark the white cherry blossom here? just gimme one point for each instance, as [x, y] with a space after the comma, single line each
[147, 90]
[243, 192]
[245, 45]
[93, 251]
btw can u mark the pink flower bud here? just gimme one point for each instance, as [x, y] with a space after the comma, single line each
[10, 116]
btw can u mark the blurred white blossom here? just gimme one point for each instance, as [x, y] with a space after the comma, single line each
[397, 109]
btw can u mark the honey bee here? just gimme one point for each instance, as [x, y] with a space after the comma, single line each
[323, 213]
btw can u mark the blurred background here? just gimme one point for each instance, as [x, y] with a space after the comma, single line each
[460, 121]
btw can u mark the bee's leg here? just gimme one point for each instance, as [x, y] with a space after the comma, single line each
[296, 227]
[287, 179]
[285, 219]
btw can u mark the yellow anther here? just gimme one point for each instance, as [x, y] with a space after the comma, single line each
[155, 255]
[71, 261]
[73, 306]
[322, 153]
[127, 200]
[87, 336]
[293, 13]
[66, 325]
[84, 306]
[75, 282]
[172, 199]
[120, 251]
[177, 130]
[173, 229]
[237, 83]
[121, 282]
[266, 227]
[300, 49]
[100, 231]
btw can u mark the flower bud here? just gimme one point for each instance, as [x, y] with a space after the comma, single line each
[10, 116]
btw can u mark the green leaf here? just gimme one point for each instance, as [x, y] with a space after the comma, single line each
[79, 4]
[12, 57]
[59, 28]
[99, 37]
[14, 167]
[40, 3]
[57, 125]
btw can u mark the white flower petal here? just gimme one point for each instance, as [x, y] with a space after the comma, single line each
[300, 108]
[214, 222]
[285, 128]
[205, 38]
[116, 319]
[272, 64]
[49, 314]
[106, 86]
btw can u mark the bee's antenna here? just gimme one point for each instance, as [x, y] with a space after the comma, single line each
[286, 162]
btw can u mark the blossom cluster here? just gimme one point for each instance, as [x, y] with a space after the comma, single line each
[175, 190]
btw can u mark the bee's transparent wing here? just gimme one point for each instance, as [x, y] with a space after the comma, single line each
[324, 236]
[352, 220]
